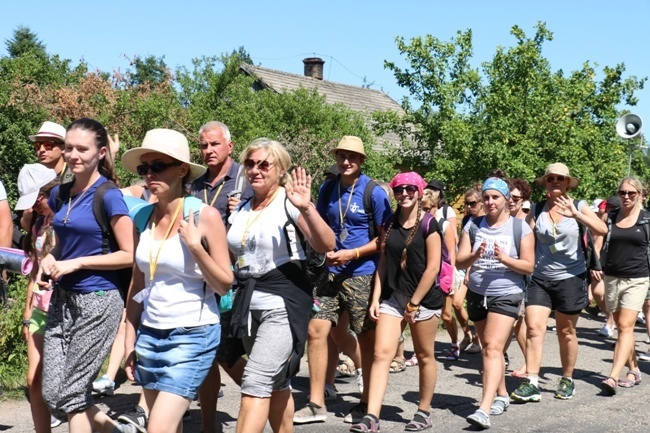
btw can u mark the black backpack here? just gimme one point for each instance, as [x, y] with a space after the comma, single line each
[368, 207]
[109, 243]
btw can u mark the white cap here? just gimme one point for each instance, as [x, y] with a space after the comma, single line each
[31, 179]
[525, 205]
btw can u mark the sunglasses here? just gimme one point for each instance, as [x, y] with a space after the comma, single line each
[471, 203]
[631, 194]
[559, 178]
[410, 189]
[515, 198]
[265, 166]
[155, 167]
[48, 145]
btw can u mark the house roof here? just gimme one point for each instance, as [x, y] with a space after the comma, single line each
[356, 98]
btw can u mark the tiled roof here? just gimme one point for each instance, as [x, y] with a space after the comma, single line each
[354, 97]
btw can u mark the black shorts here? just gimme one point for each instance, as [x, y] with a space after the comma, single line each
[568, 296]
[478, 306]
[230, 348]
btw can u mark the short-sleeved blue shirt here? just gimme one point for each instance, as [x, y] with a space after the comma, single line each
[355, 222]
[81, 236]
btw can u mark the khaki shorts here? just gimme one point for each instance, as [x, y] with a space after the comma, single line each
[344, 293]
[628, 293]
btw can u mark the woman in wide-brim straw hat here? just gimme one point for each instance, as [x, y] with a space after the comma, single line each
[171, 303]
[559, 280]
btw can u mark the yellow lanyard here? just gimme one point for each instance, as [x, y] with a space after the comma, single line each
[341, 214]
[153, 264]
[249, 223]
[205, 194]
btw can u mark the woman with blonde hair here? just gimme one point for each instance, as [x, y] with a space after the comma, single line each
[626, 269]
[559, 280]
[272, 306]
[405, 293]
[181, 257]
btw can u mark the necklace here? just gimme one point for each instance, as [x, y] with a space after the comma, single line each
[71, 205]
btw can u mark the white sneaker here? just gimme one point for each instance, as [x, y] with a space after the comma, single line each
[360, 380]
[645, 356]
[606, 331]
[54, 421]
[640, 318]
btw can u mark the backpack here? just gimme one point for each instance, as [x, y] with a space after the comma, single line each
[586, 239]
[445, 277]
[109, 243]
[644, 221]
[368, 207]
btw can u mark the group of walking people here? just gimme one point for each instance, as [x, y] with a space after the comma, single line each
[211, 265]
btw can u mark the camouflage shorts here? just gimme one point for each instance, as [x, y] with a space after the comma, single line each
[344, 293]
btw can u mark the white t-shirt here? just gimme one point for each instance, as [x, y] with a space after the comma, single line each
[177, 296]
[450, 213]
[488, 276]
[258, 242]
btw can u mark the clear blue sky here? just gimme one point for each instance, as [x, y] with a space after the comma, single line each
[353, 37]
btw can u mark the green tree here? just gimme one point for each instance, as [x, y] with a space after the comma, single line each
[24, 41]
[149, 71]
[516, 114]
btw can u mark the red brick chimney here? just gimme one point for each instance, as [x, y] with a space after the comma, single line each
[314, 67]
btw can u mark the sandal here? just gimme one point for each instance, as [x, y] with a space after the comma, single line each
[412, 362]
[609, 386]
[346, 369]
[421, 421]
[629, 383]
[398, 365]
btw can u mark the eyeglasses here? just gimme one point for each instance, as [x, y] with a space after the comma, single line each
[155, 167]
[515, 198]
[559, 178]
[631, 194]
[48, 145]
[471, 203]
[410, 189]
[264, 165]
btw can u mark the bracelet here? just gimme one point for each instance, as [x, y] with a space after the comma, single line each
[27, 322]
[357, 251]
[412, 307]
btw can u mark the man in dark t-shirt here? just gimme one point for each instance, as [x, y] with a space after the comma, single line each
[222, 186]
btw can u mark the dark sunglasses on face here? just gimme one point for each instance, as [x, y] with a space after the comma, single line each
[155, 167]
[261, 165]
[552, 179]
[471, 203]
[48, 145]
[515, 198]
[410, 189]
[631, 194]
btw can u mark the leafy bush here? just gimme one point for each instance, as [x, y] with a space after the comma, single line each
[13, 350]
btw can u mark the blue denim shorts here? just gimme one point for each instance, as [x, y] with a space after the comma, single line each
[175, 360]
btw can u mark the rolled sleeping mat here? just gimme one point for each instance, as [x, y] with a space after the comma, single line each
[15, 261]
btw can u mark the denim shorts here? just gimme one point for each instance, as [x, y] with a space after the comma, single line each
[396, 304]
[175, 360]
